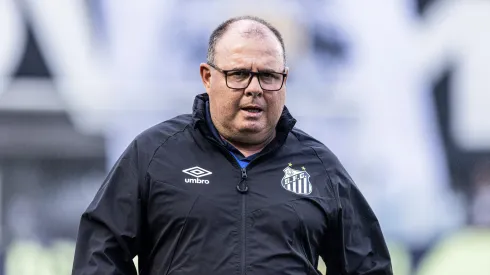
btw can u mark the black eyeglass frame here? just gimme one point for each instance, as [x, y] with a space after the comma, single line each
[253, 74]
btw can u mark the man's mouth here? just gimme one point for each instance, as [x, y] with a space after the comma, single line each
[252, 110]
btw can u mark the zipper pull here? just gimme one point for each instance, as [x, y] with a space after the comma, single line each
[242, 187]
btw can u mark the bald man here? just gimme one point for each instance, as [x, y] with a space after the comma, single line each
[234, 187]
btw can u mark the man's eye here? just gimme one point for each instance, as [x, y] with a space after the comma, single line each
[239, 75]
[271, 76]
[268, 75]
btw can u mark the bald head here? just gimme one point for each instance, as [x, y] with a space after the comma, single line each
[247, 27]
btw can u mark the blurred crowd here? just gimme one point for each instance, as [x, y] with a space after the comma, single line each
[398, 90]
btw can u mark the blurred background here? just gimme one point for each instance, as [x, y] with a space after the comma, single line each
[399, 90]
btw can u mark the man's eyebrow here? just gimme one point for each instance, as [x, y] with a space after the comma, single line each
[269, 71]
[240, 69]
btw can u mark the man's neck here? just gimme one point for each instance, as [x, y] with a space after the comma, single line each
[249, 149]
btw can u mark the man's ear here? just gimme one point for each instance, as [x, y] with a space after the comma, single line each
[205, 72]
[286, 71]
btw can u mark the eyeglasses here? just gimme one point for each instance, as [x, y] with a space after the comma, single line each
[240, 79]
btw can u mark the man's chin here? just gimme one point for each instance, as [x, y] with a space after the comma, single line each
[251, 129]
[253, 133]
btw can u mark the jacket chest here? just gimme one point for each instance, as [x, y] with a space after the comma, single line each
[204, 191]
[216, 177]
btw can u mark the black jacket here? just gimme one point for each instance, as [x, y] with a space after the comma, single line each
[179, 200]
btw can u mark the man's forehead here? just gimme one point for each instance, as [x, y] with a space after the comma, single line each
[244, 55]
[248, 41]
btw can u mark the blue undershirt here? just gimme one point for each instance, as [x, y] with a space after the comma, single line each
[242, 160]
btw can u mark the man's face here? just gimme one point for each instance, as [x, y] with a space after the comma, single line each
[246, 115]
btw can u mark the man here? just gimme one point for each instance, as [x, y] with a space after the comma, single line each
[233, 188]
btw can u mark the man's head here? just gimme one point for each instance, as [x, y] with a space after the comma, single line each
[245, 107]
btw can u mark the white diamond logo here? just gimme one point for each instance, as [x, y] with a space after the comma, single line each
[197, 172]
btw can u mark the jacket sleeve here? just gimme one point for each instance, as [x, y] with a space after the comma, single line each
[355, 243]
[108, 233]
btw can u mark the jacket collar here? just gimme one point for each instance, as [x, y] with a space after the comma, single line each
[284, 126]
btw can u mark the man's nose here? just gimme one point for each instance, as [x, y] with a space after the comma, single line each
[254, 88]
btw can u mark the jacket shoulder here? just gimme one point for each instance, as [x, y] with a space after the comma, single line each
[333, 166]
[153, 137]
[143, 147]
[324, 153]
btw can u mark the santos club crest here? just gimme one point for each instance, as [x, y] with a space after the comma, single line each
[296, 181]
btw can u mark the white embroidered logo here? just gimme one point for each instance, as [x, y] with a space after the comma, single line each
[197, 172]
[297, 181]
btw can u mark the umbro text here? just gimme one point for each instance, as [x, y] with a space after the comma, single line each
[199, 181]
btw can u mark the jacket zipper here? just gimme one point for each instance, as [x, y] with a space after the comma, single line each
[242, 187]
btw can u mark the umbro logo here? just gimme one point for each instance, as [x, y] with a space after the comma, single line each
[197, 172]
